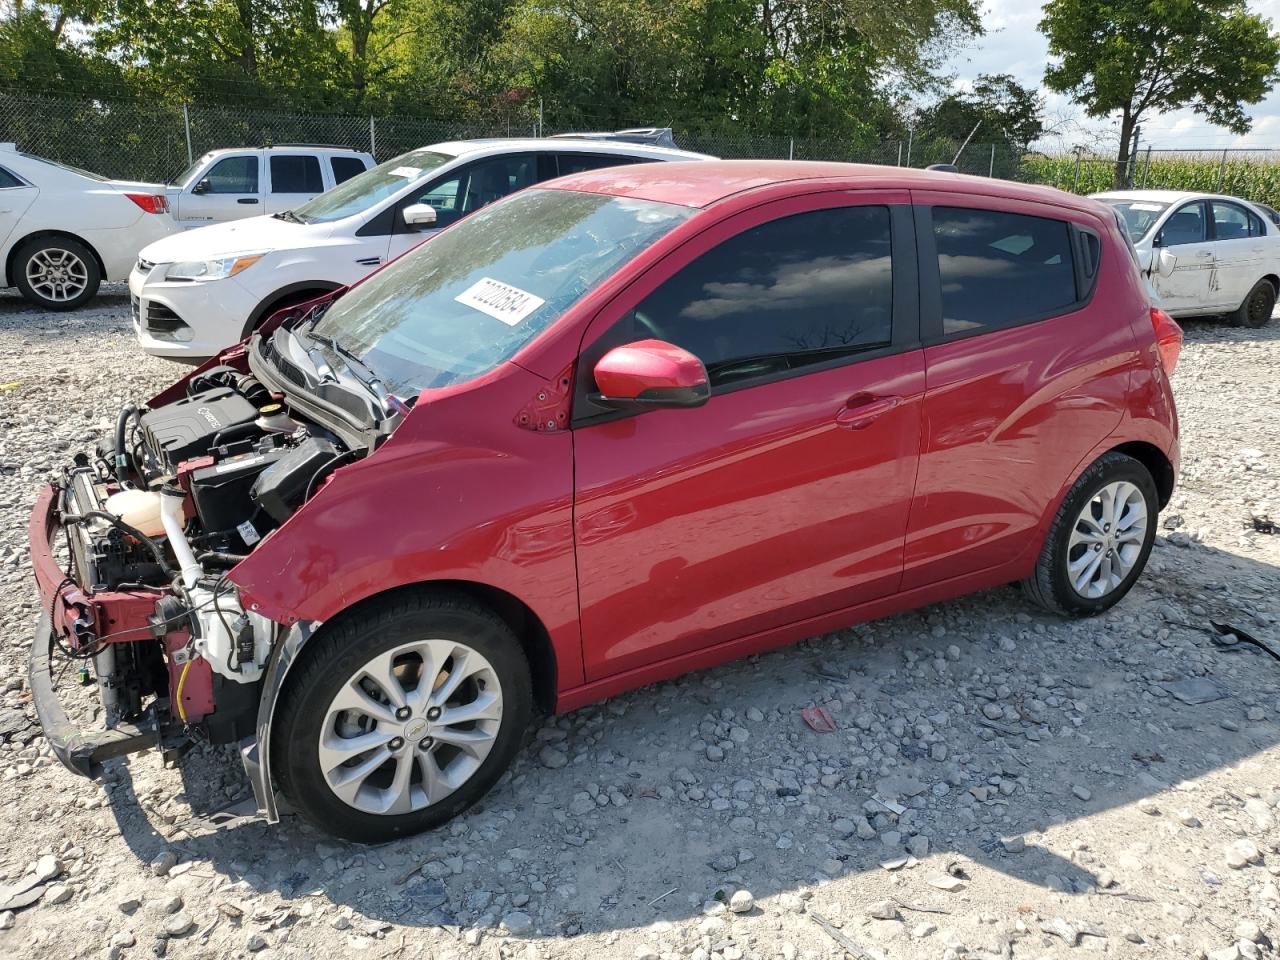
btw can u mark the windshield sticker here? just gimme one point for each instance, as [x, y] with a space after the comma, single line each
[500, 300]
[409, 173]
[1154, 207]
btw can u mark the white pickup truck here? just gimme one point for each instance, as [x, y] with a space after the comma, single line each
[232, 184]
[1205, 255]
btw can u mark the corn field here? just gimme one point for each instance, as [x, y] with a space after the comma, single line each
[1252, 175]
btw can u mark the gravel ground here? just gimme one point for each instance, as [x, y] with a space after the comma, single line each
[1001, 783]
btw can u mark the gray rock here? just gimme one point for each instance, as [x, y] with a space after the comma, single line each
[163, 863]
[48, 867]
[57, 893]
[882, 910]
[517, 924]
[1081, 792]
[255, 942]
[552, 757]
[180, 924]
[742, 902]
[1013, 844]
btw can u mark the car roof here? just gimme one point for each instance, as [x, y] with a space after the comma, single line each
[702, 184]
[1164, 196]
[562, 145]
[313, 147]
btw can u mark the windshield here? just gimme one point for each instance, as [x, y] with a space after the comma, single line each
[1139, 215]
[468, 299]
[364, 190]
[190, 172]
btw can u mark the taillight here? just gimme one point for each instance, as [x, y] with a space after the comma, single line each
[1168, 339]
[150, 202]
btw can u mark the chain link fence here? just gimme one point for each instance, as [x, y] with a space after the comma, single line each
[145, 141]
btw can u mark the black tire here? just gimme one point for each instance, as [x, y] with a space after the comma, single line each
[1257, 306]
[82, 268]
[343, 648]
[1050, 586]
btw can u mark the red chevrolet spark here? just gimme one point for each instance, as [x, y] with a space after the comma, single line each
[625, 425]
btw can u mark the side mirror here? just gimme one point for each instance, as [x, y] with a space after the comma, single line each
[648, 374]
[202, 186]
[419, 216]
[1165, 262]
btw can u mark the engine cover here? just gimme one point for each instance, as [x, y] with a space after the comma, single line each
[187, 428]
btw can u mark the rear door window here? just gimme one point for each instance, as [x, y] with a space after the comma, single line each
[1232, 222]
[344, 168]
[7, 179]
[296, 173]
[1000, 269]
[233, 175]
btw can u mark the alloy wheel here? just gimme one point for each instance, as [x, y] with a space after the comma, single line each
[57, 275]
[410, 727]
[1106, 540]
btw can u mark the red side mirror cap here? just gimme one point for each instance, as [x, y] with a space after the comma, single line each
[650, 373]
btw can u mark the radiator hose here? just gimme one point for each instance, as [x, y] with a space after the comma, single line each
[123, 457]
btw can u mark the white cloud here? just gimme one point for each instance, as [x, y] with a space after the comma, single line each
[1013, 44]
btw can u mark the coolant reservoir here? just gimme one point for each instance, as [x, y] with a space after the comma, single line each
[138, 508]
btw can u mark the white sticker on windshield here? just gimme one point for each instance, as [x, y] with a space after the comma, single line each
[409, 173]
[1155, 207]
[500, 300]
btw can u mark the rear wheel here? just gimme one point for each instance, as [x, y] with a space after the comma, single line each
[1257, 307]
[57, 273]
[1100, 539]
[403, 716]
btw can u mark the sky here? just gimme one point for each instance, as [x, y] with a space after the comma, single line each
[1013, 44]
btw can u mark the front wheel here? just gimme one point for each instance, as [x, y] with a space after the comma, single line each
[57, 273]
[1099, 540]
[1257, 307]
[403, 715]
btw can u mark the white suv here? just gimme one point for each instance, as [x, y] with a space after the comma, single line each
[198, 292]
[234, 184]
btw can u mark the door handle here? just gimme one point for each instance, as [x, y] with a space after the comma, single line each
[247, 200]
[1204, 254]
[862, 410]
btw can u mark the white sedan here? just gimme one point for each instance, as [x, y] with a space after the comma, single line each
[1204, 254]
[63, 231]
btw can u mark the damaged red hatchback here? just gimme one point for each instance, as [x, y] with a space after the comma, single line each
[625, 425]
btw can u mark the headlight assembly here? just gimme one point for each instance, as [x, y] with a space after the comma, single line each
[217, 269]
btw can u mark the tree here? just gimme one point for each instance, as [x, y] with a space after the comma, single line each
[1139, 57]
[1003, 110]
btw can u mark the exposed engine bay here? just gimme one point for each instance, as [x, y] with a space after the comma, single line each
[153, 520]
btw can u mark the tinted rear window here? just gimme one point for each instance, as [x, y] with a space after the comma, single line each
[296, 174]
[344, 168]
[1001, 269]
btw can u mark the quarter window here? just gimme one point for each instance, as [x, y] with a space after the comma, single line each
[1185, 226]
[1001, 269]
[233, 175]
[7, 179]
[296, 174]
[791, 292]
[580, 162]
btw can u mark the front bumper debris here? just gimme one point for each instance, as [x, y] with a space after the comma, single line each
[80, 751]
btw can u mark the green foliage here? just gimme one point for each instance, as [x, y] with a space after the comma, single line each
[807, 68]
[1248, 178]
[1138, 57]
[1003, 110]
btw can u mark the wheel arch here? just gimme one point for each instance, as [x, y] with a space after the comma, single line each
[524, 623]
[12, 255]
[284, 297]
[1274, 280]
[1157, 464]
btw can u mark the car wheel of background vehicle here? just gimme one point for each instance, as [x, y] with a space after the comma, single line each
[1257, 307]
[57, 273]
[1099, 540]
[403, 714]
